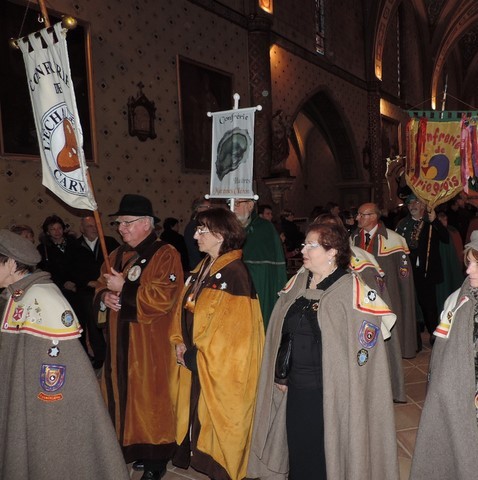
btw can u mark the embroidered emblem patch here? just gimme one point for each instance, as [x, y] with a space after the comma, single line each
[134, 273]
[372, 295]
[218, 275]
[18, 313]
[315, 306]
[368, 334]
[53, 352]
[404, 271]
[17, 294]
[172, 277]
[67, 318]
[223, 286]
[52, 377]
[362, 357]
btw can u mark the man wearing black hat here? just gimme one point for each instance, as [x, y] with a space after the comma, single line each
[138, 297]
[423, 232]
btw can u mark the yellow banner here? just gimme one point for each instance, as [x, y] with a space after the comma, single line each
[433, 160]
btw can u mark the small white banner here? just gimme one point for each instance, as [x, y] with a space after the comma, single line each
[60, 136]
[232, 153]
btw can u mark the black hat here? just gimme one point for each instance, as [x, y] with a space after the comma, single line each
[135, 205]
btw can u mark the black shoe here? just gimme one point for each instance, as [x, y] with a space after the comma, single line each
[150, 475]
[138, 466]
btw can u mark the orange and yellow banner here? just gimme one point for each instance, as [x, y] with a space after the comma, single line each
[433, 168]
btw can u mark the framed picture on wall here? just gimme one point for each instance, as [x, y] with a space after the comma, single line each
[18, 138]
[391, 137]
[202, 89]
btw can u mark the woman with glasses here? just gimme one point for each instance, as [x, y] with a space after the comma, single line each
[328, 411]
[218, 336]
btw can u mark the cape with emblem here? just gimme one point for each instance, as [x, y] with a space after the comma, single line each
[359, 425]
[447, 439]
[392, 254]
[53, 420]
[229, 337]
[140, 365]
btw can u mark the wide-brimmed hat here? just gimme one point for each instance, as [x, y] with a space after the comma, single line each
[473, 243]
[19, 248]
[135, 205]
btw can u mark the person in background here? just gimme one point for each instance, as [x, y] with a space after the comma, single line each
[348, 219]
[172, 236]
[86, 265]
[451, 255]
[392, 254]
[447, 436]
[262, 254]
[333, 208]
[138, 296]
[265, 212]
[50, 401]
[25, 231]
[293, 236]
[423, 233]
[218, 335]
[194, 255]
[320, 419]
[56, 249]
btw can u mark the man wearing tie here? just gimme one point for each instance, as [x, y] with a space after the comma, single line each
[391, 252]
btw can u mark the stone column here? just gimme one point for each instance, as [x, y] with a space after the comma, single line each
[259, 43]
[377, 164]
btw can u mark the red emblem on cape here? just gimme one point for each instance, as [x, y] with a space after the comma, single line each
[18, 313]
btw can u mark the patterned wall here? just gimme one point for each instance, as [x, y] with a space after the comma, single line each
[134, 41]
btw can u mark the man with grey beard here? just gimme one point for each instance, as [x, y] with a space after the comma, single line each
[263, 254]
[423, 232]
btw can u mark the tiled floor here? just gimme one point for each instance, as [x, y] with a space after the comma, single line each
[407, 417]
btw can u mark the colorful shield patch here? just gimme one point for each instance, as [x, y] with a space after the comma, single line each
[362, 357]
[52, 377]
[380, 283]
[67, 318]
[404, 272]
[368, 334]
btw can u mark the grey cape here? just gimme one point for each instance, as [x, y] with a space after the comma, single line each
[360, 442]
[53, 421]
[447, 440]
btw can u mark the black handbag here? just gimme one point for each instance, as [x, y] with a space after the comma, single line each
[284, 356]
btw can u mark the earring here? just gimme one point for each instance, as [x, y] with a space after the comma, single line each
[330, 261]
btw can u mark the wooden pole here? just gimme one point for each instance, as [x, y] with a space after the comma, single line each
[99, 226]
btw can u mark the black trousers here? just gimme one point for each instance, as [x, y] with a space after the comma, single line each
[427, 299]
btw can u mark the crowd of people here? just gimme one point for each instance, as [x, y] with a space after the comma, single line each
[199, 348]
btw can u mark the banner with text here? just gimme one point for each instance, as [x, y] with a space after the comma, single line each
[56, 116]
[434, 159]
[232, 153]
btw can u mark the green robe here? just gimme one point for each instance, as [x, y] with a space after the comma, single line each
[264, 256]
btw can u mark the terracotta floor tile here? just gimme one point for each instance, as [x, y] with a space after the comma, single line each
[414, 374]
[404, 465]
[406, 439]
[416, 391]
[407, 416]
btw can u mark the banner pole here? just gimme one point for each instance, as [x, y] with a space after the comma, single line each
[44, 13]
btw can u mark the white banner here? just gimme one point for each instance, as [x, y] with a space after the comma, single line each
[56, 116]
[232, 153]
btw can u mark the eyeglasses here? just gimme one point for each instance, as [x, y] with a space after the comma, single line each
[359, 214]
[202, 230]
[125, 223]
[310, 245]
[238, 202]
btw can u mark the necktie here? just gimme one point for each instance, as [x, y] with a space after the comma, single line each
[367, 239]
